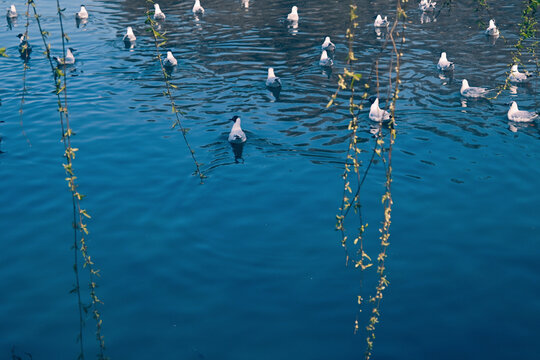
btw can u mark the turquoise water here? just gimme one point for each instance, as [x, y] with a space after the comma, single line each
[249, 264]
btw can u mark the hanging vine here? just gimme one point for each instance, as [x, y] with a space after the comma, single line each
[79, 214]
[355, 248]
[159, 41]
[25, 54]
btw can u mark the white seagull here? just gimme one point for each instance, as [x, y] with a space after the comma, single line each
[68, 60]
[325, 60]
[170, 60]
[427, 5]
[380, 22]
[328, 46]
[272, 81]
[492, 29]
[11, 12]
[237, 135]
[516, 76]
[516, 115]
[377, 114]
[444, 64]
[82, 14]
[293, 15]
[158, 14]
[129, 36]
[197, 8]
[472, 92]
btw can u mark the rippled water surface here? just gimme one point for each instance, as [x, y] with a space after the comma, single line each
[248, 265]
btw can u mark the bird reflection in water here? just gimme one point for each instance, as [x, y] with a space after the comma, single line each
[81, 22]
[238, 149]
[11, 22]
[275, 92]
[327, 70]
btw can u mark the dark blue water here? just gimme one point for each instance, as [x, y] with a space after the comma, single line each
[249, 265]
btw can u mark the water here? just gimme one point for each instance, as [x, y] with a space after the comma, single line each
[248, 264]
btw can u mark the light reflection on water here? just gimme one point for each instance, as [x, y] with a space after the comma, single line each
[248, 264]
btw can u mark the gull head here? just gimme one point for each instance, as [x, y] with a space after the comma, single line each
[271, 73]
[326, 41]
[464, 84]
[235, 118]
[443, 56]
[514, 69]
[294, 10]
[513, 107]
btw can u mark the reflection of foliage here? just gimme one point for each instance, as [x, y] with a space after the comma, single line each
[14, 356]
[385, 135]
[3, 52]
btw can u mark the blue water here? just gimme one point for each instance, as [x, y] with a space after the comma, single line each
[248, 265]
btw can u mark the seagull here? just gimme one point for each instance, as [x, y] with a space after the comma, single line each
[427, 5]
[328, 46]
[492, 29]
[272, 81]
[237, 136]
[325, 60]
[516, 76]
[11, 12]
[68, 60]
[170, 60]
[197, 8]
[516, 115]
[444, 64]
[129, 36]
[380, 22]
[472, 92]
[82, 14]
[293, 16]
[158, 14]
[376, 113]
[24, 47]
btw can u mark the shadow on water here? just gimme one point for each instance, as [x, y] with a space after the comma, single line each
[15, 356]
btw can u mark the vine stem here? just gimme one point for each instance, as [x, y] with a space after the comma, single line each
[25, 70]
[78, 212]
[156, 36]
[62, 111]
